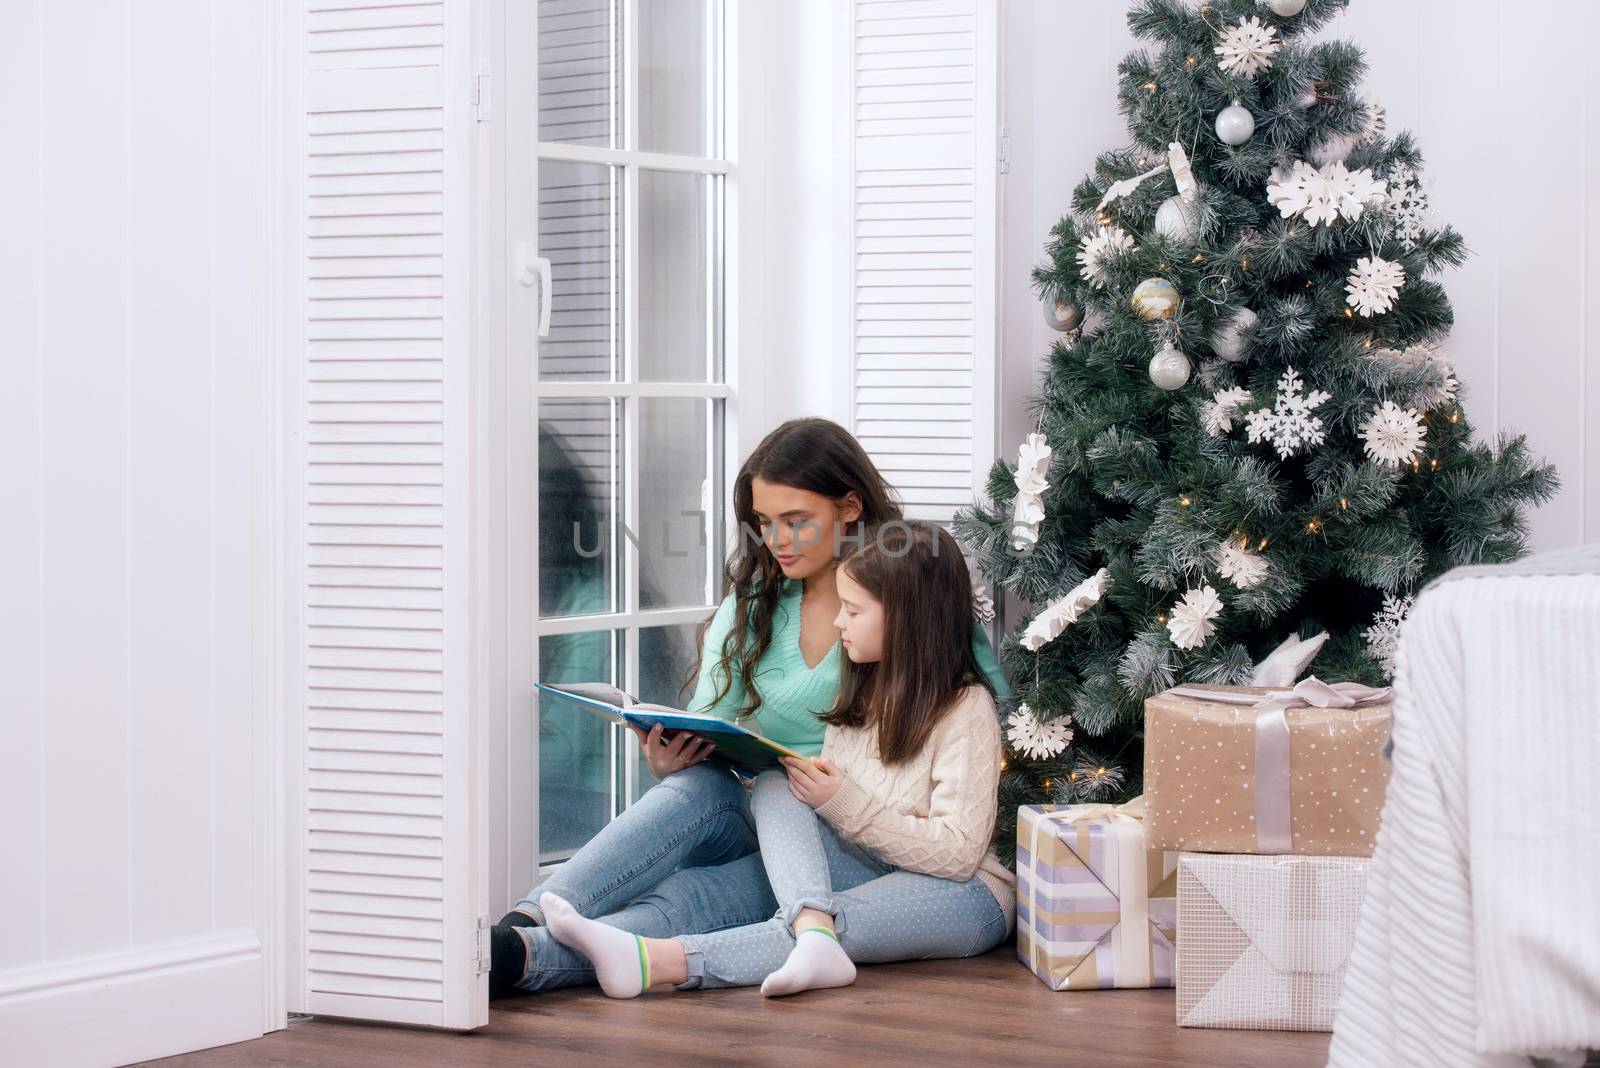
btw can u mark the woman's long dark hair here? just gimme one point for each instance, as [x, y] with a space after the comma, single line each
[811, 454]
[916, 571]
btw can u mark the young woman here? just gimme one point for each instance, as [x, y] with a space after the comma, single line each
[683, 858]
[880, 851]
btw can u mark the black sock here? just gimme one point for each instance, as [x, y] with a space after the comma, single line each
[508, 959]
[518, 919]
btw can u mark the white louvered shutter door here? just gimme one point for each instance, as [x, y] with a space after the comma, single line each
[922, 245]
[387, 918]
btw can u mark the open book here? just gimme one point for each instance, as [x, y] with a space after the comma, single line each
[735, 745]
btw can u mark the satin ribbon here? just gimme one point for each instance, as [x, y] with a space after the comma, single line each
[1133, 885]
[1272, 742]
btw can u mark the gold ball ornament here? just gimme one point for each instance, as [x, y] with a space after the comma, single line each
[1156, 298]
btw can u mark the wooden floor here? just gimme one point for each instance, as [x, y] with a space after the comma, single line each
[985, 1010]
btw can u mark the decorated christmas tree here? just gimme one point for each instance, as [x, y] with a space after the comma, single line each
[1251, 447]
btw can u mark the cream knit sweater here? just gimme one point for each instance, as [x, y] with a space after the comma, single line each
[935, 813]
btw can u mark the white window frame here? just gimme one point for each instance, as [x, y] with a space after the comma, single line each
[509, 309]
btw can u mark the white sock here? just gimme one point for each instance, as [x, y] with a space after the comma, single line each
[620, 962]
[816, 962]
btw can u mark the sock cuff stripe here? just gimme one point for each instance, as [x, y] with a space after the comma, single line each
[821, 930]
[644, 964]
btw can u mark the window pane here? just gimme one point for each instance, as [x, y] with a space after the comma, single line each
[580, 461]
[580, 233]
[666, 655]
[677, 475]
[680, 70]
[680, 277]
[580, 48]
[577, 750]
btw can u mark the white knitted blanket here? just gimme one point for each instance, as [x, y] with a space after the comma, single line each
[1479, 937]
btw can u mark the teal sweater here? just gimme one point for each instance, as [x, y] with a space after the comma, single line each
[792, 694]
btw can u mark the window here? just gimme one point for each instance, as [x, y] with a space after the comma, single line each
[631, 391]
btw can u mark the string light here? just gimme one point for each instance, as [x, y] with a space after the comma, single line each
[1415, 466]
[1309, 283]
[1349, 314]
[1072, 775]
[1198, 257]
[1048, 785]
[1185, 500]
[1190, 62]
[1099, 772]
[1161, 617]
[1143, 162]
[1244, 263]
[1262, 545]
[1434, 463]
[1313, 526]
[1366, 342]
[1151, 86]
[1344, 503]
[1104, 219]
[1455, 417]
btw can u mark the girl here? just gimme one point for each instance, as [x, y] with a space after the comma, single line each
[683, 858]
[883, 853]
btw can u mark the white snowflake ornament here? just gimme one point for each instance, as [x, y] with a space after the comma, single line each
[1409, 208]
[1393, 435]
[1216, 415]
[1383, 637]
[1247, 48]
[1091, 257]
[1058, 614]
[1373, 285]
[1034, 738]
[1323, 194]
[1240, 566]
[1190, 622]
[1289, 424]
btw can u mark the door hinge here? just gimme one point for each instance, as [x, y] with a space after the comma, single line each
[481, 954]
[482, 98]
[1003, 153]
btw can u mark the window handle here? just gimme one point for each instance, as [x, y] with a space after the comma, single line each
[531, 268]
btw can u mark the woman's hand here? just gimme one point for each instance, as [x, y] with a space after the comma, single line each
[685, 750]
[811, 783]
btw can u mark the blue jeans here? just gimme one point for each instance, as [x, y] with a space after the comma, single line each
[881, 913]
[681, 859]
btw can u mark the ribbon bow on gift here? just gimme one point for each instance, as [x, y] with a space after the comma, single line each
[1272, 743]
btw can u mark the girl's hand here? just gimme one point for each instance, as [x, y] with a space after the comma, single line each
[813, 784]
[685, 750]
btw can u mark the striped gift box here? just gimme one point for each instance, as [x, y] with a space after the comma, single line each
[1095, 908]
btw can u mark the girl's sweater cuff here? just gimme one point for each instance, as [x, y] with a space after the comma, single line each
[846, 804]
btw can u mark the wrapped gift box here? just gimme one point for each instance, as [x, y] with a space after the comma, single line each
[1264, 940]
[1095, 906]
[1240, 769]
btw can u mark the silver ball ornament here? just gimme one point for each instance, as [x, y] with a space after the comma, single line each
[1235, 124]
[1062, 315]
[1169, 368]
[1175, 219]
[1227, 339]
[1287, 8]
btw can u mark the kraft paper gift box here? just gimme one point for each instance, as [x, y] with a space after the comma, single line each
[1264, 941]
[1242, 769]
[1095, 907]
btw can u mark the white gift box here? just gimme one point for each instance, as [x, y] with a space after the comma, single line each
[1263, 940]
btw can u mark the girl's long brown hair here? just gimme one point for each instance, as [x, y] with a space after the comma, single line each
[915, 570]
[811, 454]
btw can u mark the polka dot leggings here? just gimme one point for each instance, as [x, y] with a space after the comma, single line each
[881, 913]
